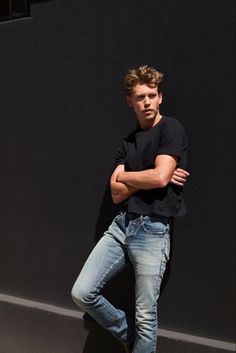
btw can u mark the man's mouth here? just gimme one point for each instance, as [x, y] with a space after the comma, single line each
[148, 111]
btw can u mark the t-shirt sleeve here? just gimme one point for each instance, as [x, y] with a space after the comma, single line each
[120, 154]
[173, 139]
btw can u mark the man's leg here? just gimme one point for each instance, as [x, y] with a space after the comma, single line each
[106, 260]
[148, 249]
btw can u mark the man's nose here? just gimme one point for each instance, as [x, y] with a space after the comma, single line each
[146, 101]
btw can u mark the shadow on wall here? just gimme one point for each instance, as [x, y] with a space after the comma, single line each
[98, 340]
[107, 212]
[119, 291]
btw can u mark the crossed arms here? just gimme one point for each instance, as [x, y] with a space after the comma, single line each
[124, 184]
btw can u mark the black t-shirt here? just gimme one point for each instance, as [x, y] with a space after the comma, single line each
[139, 151]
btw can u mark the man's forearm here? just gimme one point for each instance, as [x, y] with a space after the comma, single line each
[157, 177]
[120, 191]
[146, 179]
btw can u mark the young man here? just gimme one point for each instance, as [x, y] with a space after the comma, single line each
[147, 181]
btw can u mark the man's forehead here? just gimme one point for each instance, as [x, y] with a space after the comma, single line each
[143, 88]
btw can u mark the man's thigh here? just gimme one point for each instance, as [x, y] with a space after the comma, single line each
[106, 260]
[149, 250]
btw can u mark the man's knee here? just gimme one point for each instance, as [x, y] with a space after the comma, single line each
[81, 296]
[78, 295]
[146, 320]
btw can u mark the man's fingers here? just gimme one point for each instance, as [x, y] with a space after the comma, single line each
[180, 179]
[178, 183]
[180, 175]
[181, 172]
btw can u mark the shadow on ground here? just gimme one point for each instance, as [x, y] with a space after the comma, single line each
[24, 330]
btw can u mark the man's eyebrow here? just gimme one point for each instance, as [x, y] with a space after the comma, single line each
[139, 95]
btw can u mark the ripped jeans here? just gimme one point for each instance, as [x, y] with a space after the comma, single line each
[144, 242]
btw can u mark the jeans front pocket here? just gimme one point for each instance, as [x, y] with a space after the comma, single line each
[154, 226]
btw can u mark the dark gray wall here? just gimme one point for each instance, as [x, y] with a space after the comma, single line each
[63, 114]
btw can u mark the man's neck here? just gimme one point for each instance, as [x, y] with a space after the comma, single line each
[148, 124]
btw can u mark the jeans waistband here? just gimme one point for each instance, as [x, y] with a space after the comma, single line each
[157, 218]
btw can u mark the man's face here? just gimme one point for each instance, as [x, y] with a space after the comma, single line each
[145, 101]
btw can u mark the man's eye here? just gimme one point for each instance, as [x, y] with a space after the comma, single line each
[140, 98]
[151, 96]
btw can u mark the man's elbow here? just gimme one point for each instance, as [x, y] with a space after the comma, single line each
[116, 198]
[163, 181]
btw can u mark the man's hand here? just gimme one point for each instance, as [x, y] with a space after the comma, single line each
[179, 177]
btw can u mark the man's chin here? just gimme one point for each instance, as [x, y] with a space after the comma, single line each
[149, 117]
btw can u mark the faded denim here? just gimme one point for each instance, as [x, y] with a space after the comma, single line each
[144, 242]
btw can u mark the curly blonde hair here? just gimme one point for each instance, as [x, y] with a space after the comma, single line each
[144, 75]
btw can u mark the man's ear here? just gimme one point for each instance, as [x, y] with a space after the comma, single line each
[129, 101]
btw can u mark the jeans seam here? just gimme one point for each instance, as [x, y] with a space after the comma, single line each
[160, 280]
[101, 282]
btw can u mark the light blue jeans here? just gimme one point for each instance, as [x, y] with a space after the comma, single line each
[144, 242]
